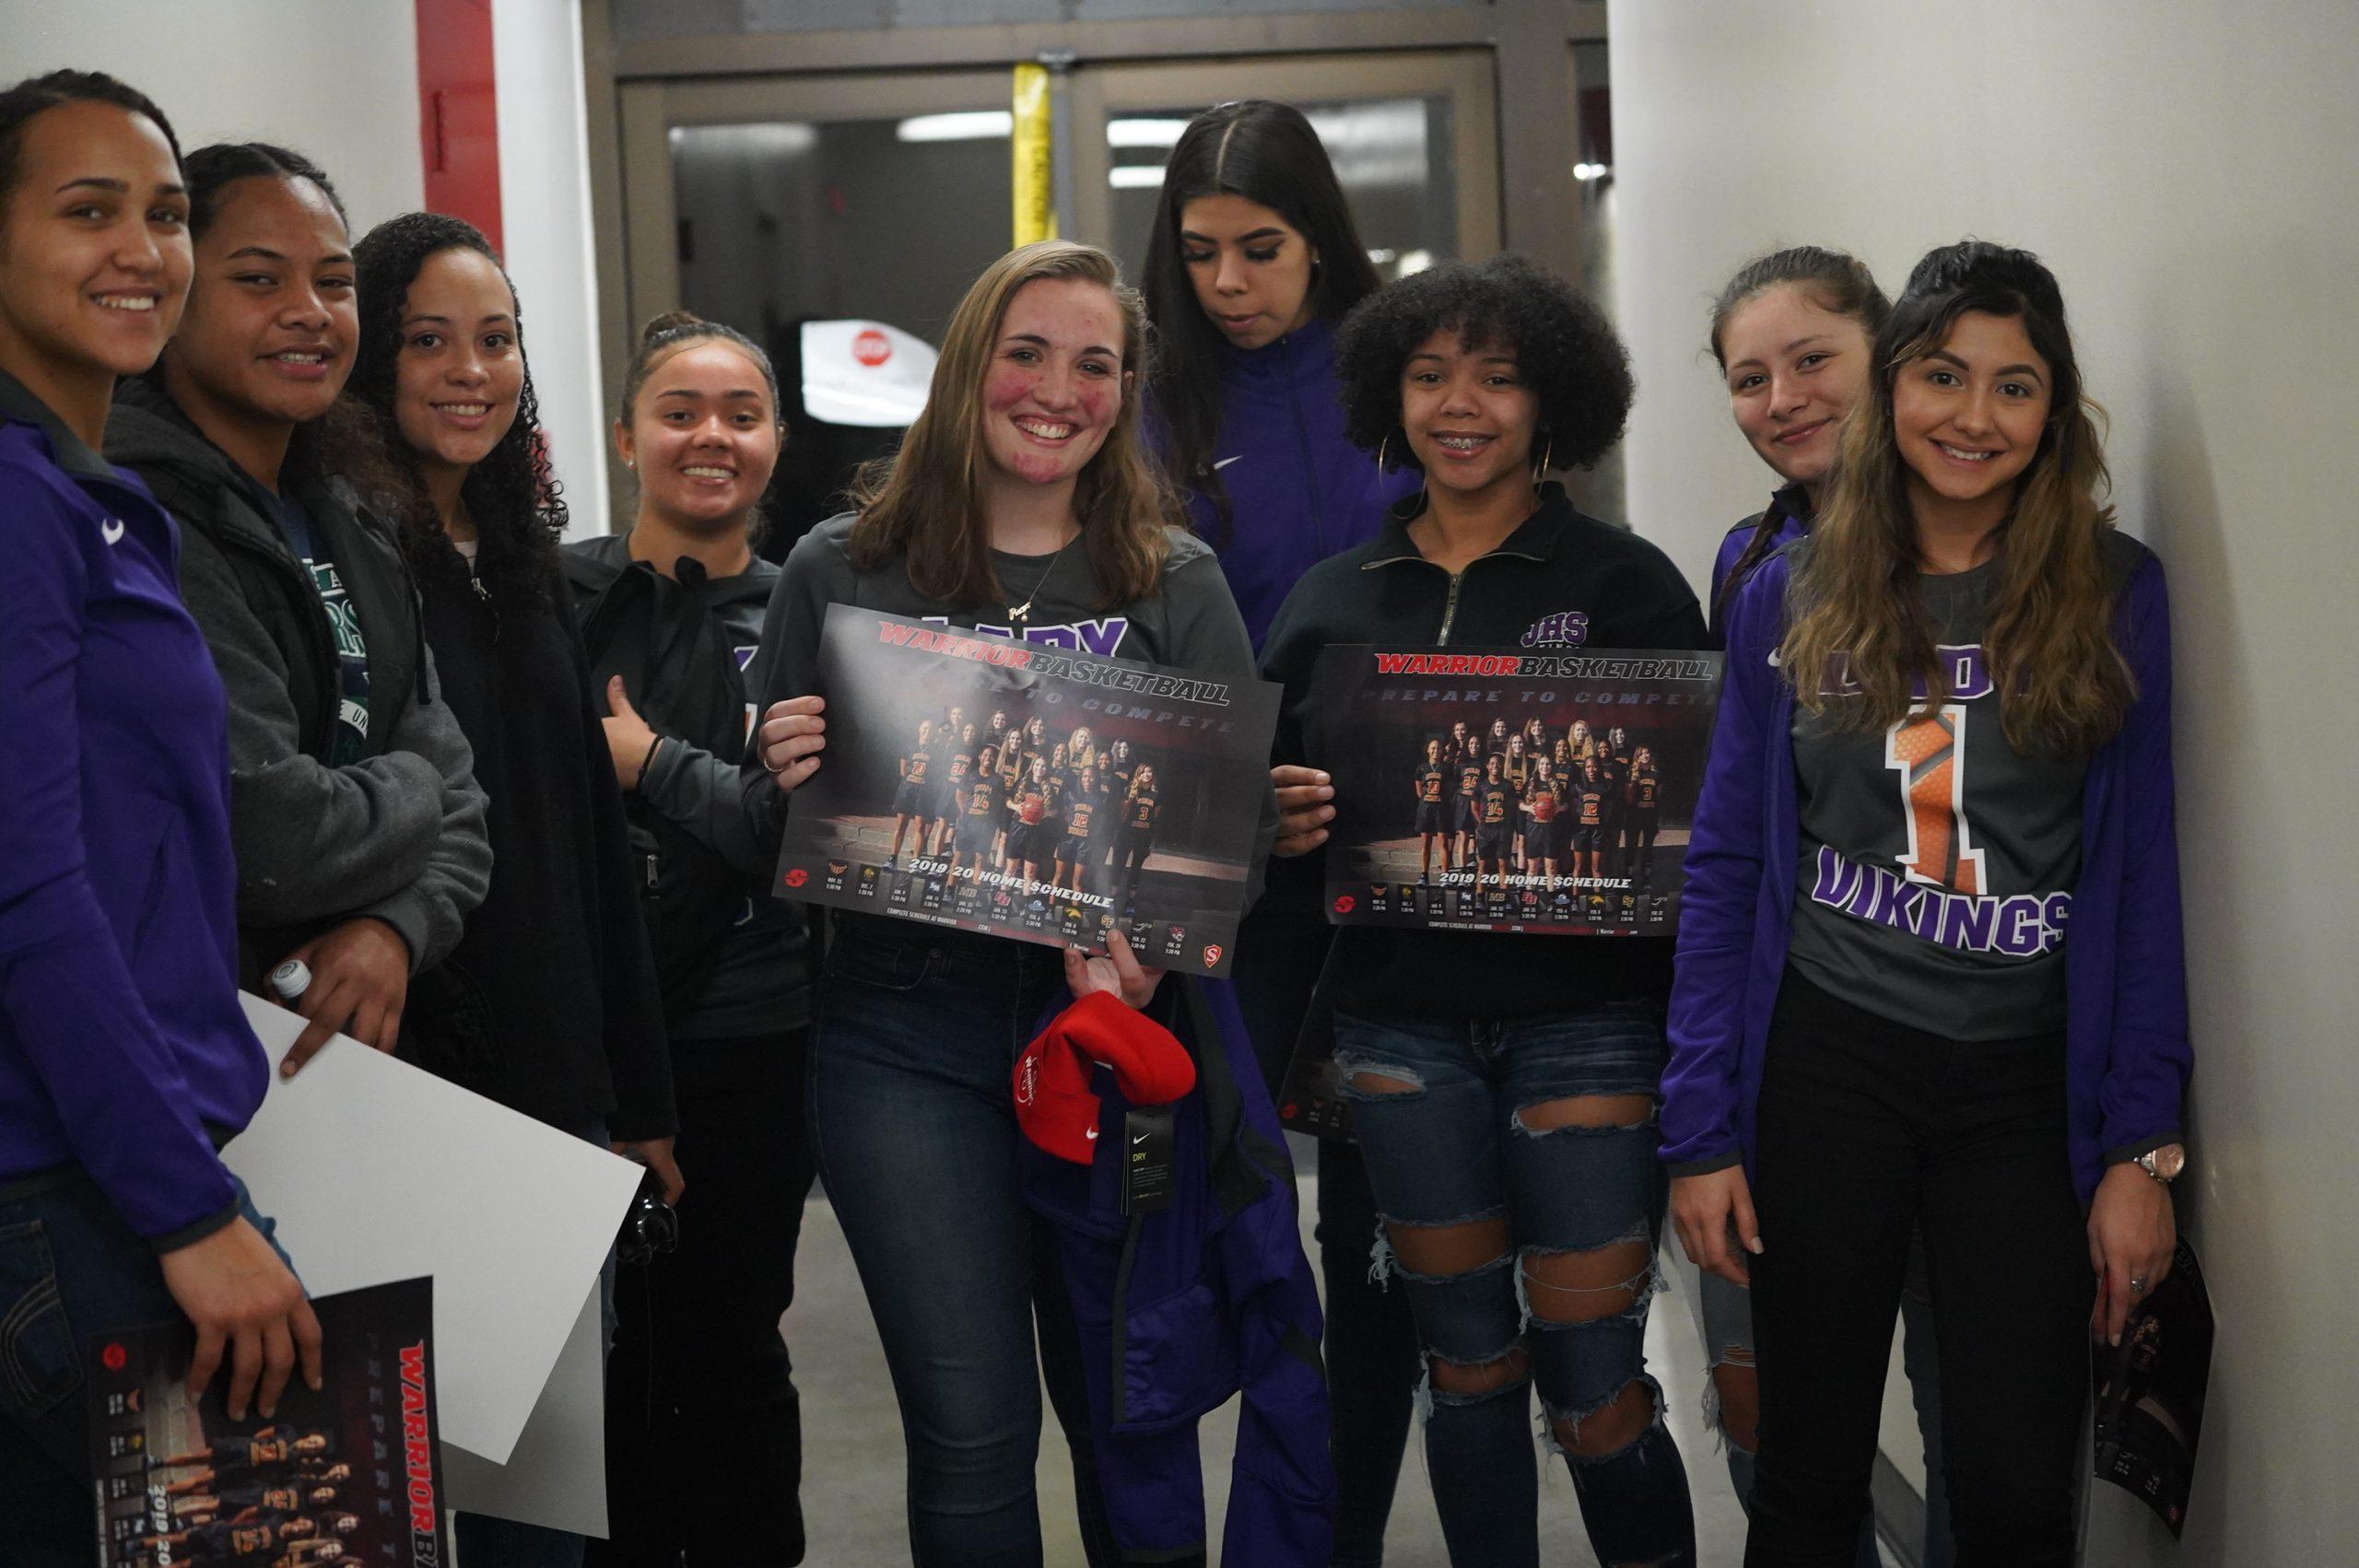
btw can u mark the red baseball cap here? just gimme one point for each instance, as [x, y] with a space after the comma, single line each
[1054, 1102]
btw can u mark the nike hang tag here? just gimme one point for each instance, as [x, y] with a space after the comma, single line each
[1149, 1174]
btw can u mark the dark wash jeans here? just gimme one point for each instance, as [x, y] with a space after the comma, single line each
[69, 1268]
[915, 1133]
[1867, 1128]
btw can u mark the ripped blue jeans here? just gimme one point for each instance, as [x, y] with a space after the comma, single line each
[1513, 1161]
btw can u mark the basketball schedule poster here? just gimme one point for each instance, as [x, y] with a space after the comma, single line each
[349, 1473]
[1505, 790]
[1031, 792]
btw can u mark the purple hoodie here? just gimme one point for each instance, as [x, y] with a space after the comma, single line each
[2126, 1052]
[123, 1049]
[1297, 491]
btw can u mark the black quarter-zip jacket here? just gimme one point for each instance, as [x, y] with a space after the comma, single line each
[1561, 580]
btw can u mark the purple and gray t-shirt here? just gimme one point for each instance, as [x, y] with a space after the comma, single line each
[1933, 851]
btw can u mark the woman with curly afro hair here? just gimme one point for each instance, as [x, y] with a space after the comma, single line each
[549, 1002]
[1527, 1259]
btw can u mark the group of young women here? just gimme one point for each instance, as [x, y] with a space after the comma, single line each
[501, 798]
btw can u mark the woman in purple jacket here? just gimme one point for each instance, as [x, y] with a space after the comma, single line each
[124, 1057]
[1791, 334]
[1945, 726]
[1252, 260]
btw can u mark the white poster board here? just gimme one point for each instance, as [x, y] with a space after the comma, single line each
[557, 1473]
[375, 1170]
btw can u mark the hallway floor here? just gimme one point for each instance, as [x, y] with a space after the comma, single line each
[853, 1463]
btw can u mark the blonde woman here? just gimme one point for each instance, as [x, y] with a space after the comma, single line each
[1022, 503]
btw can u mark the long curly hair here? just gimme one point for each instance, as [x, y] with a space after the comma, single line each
[924, 503]
[2063, 685]
[512, 494]
[1565, 352]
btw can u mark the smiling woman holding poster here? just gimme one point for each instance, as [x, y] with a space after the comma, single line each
[1022, 505]
[1502, 1086]
[124, 1057]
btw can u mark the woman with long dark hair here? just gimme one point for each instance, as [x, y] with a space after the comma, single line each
[549, 1000]
[358, 824]
[1022, 503]
[1502, 1086]
[1252, 261]
[1945, 729]
[126, 1061]
[702, 1407]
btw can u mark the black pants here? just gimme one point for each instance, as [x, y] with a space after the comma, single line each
[1867, 1128]
[704, 1431]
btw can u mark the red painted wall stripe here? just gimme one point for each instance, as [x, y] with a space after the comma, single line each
[458, 112]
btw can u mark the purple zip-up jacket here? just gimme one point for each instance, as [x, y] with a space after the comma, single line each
[1788, 516]
[124, 1048]
[1297, 491]
[2127, 1057]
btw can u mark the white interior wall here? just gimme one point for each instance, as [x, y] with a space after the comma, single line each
[545, 217]
[337, 81]
[2188, 171]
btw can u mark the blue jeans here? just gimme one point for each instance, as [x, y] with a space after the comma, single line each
[1479, 1147]
[70, 1268]
[915, 1135]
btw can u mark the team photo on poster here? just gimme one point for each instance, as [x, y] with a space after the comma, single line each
[1030, 792]
[348, 1474]
[1505, 790]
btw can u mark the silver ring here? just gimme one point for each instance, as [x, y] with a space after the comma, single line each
[2138, 1284]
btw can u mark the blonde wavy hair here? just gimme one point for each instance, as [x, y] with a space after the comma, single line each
[2063, 685]
[924, 503]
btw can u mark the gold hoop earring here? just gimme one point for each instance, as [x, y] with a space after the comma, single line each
[1380, 451]
[1548, 456]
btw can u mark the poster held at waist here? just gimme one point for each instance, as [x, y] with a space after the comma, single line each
[348, 1473]
[1030, 792]
[1501, 789]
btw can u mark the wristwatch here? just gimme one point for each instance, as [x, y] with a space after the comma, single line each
[2163, 1163]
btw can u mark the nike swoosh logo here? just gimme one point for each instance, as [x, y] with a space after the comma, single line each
[110, 530]
[1142, 1137]
[1225, 462]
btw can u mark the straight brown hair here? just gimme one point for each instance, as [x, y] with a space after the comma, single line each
[924, 503]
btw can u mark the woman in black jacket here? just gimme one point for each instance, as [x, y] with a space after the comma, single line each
[1502, 1086]
[701, 1412]
[548, 1004]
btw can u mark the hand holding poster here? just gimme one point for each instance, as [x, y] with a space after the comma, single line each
[349, 1473]
[1030, 792]
[1506, 790]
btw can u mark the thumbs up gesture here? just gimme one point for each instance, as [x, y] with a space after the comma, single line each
[629, 742]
